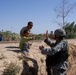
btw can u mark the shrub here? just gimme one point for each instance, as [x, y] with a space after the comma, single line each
[11, 69]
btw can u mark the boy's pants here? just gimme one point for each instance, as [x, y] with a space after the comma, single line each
[24, 51]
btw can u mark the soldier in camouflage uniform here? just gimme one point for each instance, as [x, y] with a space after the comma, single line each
[28, 27]
[57, 54]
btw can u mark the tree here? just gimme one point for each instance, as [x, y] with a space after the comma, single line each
[9, 36]
[70, 30]
[62, 12]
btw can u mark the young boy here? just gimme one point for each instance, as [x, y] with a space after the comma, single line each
[57, 55]
[24, 45]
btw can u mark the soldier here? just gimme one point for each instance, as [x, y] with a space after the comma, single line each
[57, 54]
[28, 27]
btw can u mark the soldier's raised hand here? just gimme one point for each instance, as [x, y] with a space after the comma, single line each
[47, 34]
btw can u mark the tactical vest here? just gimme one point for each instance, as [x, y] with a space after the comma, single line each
[58, 57]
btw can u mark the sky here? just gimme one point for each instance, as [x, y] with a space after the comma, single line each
[15, 14]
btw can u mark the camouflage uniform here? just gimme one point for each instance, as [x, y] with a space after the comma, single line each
[57, 57]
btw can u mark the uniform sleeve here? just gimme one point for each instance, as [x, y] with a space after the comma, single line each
[49, 42]
[52, 50]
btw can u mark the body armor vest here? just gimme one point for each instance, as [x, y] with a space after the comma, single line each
[57, 57]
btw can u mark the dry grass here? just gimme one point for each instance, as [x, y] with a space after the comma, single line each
[34, 64]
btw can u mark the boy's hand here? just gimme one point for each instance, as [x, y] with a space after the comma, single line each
[47, 34]
[41, 47]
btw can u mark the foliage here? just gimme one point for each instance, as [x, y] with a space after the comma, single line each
[62, 11]
[70, 29]
[37, 37]
[9, 36]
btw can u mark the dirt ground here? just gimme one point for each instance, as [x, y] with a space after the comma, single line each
[34, 63]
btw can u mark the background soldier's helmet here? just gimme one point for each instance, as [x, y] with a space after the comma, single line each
[60, 32]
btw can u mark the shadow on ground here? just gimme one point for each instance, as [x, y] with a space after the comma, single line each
[29, 70]
[11, 47]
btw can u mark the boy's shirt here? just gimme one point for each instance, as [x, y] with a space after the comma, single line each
[23, 40]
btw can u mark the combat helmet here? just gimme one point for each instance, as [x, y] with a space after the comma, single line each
[60, 32]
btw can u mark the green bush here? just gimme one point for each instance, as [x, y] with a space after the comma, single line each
[70, 29]
[37, 37]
